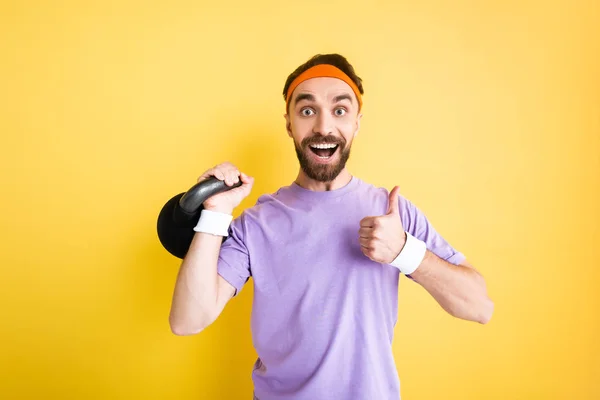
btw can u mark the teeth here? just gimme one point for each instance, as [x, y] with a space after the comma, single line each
[323, 146]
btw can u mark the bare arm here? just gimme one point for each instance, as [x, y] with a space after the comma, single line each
[459, 289]
[200, 292]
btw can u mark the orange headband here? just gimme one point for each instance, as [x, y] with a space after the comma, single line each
[319, 71]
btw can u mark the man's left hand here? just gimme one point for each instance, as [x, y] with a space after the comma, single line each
[382, 237]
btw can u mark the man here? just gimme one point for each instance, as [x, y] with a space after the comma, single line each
[325, 254]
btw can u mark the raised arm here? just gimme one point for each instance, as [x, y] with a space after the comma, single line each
[200, 293]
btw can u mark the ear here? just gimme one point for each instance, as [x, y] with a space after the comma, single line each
[359, 116]
[288, 125]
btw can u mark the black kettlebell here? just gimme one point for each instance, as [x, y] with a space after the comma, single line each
[179, 216]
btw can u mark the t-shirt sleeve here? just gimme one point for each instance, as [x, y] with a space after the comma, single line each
[234, 260]
[416, 223]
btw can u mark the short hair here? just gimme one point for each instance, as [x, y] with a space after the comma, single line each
[334, 59]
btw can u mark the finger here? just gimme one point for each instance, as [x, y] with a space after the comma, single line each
[393, 207]
[367, 243]
[367, 222]
[205, 175]
[247, 182]
[367, 252]
[217, 173]
[236, 175]
[366, 232]
[231, 176]
[226, 178]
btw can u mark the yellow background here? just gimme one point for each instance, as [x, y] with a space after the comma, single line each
[487, 114]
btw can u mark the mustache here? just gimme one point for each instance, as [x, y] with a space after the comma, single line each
[323, 139]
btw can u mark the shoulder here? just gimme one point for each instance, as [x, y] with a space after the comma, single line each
[380, 198]
[267, 202]
[265, 205]
[381, 194]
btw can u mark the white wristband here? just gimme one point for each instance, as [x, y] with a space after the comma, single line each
[215, 223]
[411, 256]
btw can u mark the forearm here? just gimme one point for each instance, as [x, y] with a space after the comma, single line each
[460, 290]
[196, 289]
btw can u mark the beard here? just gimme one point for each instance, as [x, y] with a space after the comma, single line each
[322, 172]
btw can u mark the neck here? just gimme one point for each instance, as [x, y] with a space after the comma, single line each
[340, 181]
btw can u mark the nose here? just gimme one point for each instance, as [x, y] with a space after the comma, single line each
[323, 124]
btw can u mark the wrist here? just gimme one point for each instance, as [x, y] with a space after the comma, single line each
[220, 209]
[411, 255]
[404, 239]
[214, 222]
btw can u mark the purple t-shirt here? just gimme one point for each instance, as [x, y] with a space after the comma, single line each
[323, 313]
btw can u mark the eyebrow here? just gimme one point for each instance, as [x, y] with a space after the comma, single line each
[310, 97]
[341, 97]
[304, 96]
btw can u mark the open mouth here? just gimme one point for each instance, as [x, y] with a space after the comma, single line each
[324, 151]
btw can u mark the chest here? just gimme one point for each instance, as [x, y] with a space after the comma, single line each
[310, 252]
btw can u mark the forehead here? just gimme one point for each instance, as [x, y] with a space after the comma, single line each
[324, 88]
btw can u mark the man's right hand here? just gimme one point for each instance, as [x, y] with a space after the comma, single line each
[226, 202]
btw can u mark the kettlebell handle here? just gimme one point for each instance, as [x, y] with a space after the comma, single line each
[179, 215]
[192, 200]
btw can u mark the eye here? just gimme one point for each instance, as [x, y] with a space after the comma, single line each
[307, 112]
[340, 111]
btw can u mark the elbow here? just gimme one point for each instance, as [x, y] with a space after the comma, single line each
[188, 328]
[486, 310]
[484, 305]
[182, 330]
[476, 310]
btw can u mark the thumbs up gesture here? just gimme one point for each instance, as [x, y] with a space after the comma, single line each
[382, 237]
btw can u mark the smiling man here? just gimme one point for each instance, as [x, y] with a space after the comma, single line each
[325, 252]
[322, 105]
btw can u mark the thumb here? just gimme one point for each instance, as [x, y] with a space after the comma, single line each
[393, 201]
[247, 182]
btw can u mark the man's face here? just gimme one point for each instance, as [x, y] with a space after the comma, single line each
[323, 120]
